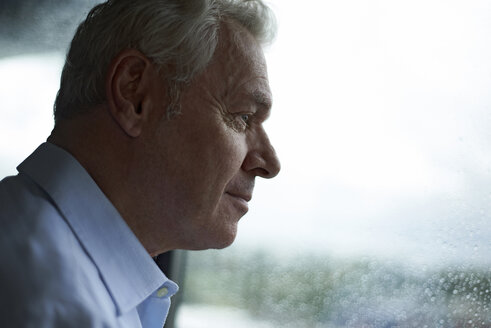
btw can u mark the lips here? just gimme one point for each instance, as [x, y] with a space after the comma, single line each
[239, 193]
[244, 196]
[240, 201]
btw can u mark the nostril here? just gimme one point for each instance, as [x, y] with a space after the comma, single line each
[263, 173]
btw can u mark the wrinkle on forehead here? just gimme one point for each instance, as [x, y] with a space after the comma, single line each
[237, 71]
[237, 44]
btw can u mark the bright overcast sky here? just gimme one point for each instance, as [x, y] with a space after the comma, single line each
[381, 118]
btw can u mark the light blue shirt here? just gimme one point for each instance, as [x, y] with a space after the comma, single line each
[67, 258]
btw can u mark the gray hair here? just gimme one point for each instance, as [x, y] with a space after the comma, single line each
[177, 34]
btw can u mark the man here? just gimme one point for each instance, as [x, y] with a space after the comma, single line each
[157, 142]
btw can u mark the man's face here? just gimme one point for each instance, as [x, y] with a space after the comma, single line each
[209, 155]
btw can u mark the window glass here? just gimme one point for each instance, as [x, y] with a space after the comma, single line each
[380, 216]
[35, 35]
[28, 85]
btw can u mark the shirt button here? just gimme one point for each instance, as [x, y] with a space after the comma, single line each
[162, 292]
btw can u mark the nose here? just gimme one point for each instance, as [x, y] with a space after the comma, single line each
[261, 160]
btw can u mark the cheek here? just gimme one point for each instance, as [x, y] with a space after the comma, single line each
[219, 145]
[208, 162]
[230, 156]
[220, 164]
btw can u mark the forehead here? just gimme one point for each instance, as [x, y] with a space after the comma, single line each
[238, 67]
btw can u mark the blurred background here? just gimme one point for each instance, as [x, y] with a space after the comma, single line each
[381, 215]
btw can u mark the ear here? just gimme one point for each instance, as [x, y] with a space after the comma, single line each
[127, 86]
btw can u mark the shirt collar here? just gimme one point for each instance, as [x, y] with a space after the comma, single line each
[126, 268]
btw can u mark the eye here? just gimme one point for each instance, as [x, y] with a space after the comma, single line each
[245, 117]
[240, 121]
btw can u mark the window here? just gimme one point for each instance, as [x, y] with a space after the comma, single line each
[381, 214]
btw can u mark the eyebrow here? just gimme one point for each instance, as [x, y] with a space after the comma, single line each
[262, 99]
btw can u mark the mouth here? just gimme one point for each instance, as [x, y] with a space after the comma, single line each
[240, 200]
[244, 196]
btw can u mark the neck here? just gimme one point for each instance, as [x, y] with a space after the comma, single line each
[111, 159]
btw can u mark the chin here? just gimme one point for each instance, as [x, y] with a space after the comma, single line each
[215, 231]
[216, 239]
[225, 243]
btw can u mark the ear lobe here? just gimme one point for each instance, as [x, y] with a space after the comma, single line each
[129, 118]
[126, 88]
